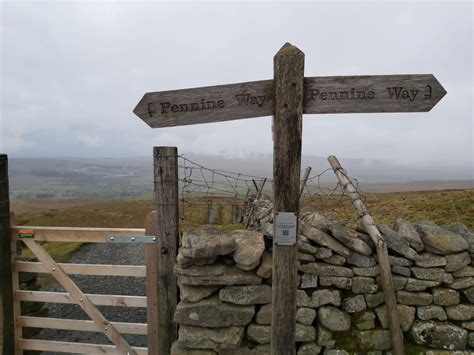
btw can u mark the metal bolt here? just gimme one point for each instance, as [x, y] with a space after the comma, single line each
[106, 328]
[111, 238]
[81, 300]
[133, 239]
[154, 239]
[54, 269]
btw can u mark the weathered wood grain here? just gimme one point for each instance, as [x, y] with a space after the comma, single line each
[206, 104]
[330, 94]
[167, 222]
[287, 129]
[7, 338]
[372, 93]
[396, 334]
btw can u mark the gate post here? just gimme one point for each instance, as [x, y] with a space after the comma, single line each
[7, 335]
[165, 161]
[288, 74]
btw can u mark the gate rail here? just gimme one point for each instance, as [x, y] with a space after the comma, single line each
[31, 236]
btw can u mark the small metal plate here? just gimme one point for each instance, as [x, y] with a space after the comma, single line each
[285, 228]
[26, 234]
[147, 239]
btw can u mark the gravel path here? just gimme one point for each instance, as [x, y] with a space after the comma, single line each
[115, 254]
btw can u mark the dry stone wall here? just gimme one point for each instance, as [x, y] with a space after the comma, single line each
[225, 288]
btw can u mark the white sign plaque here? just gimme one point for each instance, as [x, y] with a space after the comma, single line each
[285, 228]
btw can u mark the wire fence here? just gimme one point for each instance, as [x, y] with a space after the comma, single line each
[214, 196]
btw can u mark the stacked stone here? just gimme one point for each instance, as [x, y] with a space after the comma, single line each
[226, 294]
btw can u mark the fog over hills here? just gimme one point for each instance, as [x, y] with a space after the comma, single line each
[132, 176]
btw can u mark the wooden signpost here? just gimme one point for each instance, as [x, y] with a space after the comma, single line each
[287, 97]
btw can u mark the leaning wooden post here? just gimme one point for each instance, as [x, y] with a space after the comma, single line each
[7, 337]
[305, 180]
[287, 127]
[382, 257]
[167, 219]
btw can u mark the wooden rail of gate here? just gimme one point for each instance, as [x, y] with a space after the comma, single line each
[31, 236]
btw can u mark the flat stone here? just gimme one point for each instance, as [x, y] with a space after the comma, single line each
[335, 260]
[366, 271]
[266, 264]
[399, 261]
[439, 335]
[462, 282]
[306, 257]
[370, 340]
[305, 315]
[260, 334]
[324, 336]
[248, 350]
[432, 274]
[431, 312]
[460, 312]
[325, 297]
[463, 231]
[407, 316]
[407, 231]
[264, 315]
[176, 350]
[366, 238]
[323, 253]
[319, 221]
[401, 270]
[305, 333]
[468, 325]
[323, 239]
[354, 304]
[326, 270]
[205, 338]
[246, 295]
[249, 247]
[309, 281]
[334, 319]
[469, 293]
[335, 352]
[470, 340]
[350, 240]
[397, 243]
[455, 262]
[339, 282]
[205, 241]
[430, 260]
[440, 241]
[413, 285]
[302, 299]
[308, 349]
[445, 296]
[187, 262]
[213, 313]
[216, 275]
[363, 285]
[365, 320]
[192, 294]
[414, 298]
[360, 260]
[374, 300]
[467, 271]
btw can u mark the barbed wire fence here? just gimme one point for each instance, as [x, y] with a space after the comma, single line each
[215, 196]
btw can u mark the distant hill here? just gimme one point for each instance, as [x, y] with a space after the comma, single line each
[133, 176]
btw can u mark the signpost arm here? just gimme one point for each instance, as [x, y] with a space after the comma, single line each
[166, 206]
[287, 128]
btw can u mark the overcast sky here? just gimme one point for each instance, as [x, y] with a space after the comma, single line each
[72, 73]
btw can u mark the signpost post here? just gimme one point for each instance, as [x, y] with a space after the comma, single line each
[287, 97]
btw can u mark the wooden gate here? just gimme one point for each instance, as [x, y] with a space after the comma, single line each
[31, 237]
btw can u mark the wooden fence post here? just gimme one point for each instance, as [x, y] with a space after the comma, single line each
[7, 335]
[396, 334]
[167, 222]
[287, 127]
[305, 179]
